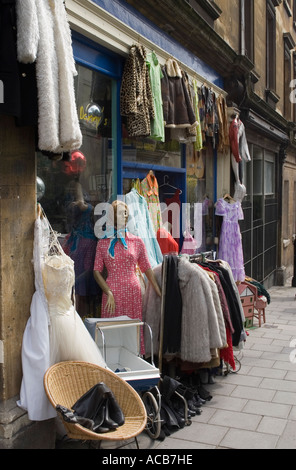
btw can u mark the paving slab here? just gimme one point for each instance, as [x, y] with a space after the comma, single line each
[235, 420]
[241, 439]
[276, 410]
[271, 425]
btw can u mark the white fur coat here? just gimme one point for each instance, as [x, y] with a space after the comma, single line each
[203, 326]
[44, 37]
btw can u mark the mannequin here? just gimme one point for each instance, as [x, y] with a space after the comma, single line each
[115, 253]
[239, 151]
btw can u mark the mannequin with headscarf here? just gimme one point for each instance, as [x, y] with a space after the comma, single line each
[121, 253]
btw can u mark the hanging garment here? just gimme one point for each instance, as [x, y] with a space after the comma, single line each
[226, 354]
[177, 107]
[166, 242]
[238, 141]
[232, 296]
[44, 37]
[203, 326]
[223, 124]
[172, 321]
[155, 74]
[211, 115]
[136, 101]
[149, 189]
[189, 244]
[140, 224]
[198, 144]
[171, 215]
[18, 90]
[230, 242]
[151, 313]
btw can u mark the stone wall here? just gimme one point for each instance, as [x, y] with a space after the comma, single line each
[17, 216]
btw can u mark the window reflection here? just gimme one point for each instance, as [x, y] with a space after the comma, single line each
[75, 185]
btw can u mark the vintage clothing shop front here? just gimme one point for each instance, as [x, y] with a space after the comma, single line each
[184, 162]
[189, 163]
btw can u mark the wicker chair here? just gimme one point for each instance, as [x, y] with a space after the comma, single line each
[67, 381]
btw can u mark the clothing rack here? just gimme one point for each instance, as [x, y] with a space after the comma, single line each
[203, 255]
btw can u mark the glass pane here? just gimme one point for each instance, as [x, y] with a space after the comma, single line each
[200, 196]
[257, 170]
[151, 152]
[72, 189]
[269, 173]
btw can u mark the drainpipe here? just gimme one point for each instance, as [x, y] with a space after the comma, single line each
[242, 27]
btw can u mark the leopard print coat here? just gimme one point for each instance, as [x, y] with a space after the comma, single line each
[136, 102]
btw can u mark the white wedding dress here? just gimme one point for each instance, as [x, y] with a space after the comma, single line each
[54, 331]
[69, 339]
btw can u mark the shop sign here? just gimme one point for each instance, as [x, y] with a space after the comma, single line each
[91, 115]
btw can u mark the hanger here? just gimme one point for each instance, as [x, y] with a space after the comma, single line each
[166, 183]
[228, 198]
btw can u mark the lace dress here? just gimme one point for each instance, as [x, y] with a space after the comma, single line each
[69, 338]
[54, 331]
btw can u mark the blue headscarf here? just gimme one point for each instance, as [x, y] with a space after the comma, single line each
[115, 236]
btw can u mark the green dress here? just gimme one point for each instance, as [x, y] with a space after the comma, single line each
[155, 74]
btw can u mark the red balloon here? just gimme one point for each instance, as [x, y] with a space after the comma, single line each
[76, 165]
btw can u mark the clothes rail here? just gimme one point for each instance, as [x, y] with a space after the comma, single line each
[203, 255]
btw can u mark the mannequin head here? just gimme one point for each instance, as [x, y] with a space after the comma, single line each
[121, 214]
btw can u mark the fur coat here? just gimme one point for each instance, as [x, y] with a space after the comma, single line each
[203, 326]
[44, 37]
[136, 100]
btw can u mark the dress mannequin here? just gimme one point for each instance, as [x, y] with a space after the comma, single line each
[239, 151]
[120, 254]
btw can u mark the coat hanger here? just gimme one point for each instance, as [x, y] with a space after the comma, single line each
[228, 198]
[166, 183]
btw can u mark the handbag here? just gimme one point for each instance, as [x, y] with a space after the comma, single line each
[97, 408]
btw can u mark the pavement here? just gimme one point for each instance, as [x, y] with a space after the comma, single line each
[254, 408]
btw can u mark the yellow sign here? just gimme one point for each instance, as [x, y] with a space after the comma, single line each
[91, 119]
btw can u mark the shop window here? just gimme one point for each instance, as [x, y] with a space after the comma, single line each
[271, 97]
[286, 233]
[72, 189]
[200, 184]
[293, 101]
[294, 209]
[257, 183]
[249, 29]
[150, 152]
[288, 7]
[269, 173]
[289, 44]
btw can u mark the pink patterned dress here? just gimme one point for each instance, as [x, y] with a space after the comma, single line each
[122, 278]
[230, 243]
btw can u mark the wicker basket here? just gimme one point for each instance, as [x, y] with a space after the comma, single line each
[67, 381]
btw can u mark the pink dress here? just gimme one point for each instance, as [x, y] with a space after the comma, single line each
[122, 278]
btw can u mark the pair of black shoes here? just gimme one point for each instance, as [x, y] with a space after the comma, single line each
[194, 401]
[194, 383]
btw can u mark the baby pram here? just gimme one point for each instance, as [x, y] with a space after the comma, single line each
[119, 341]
